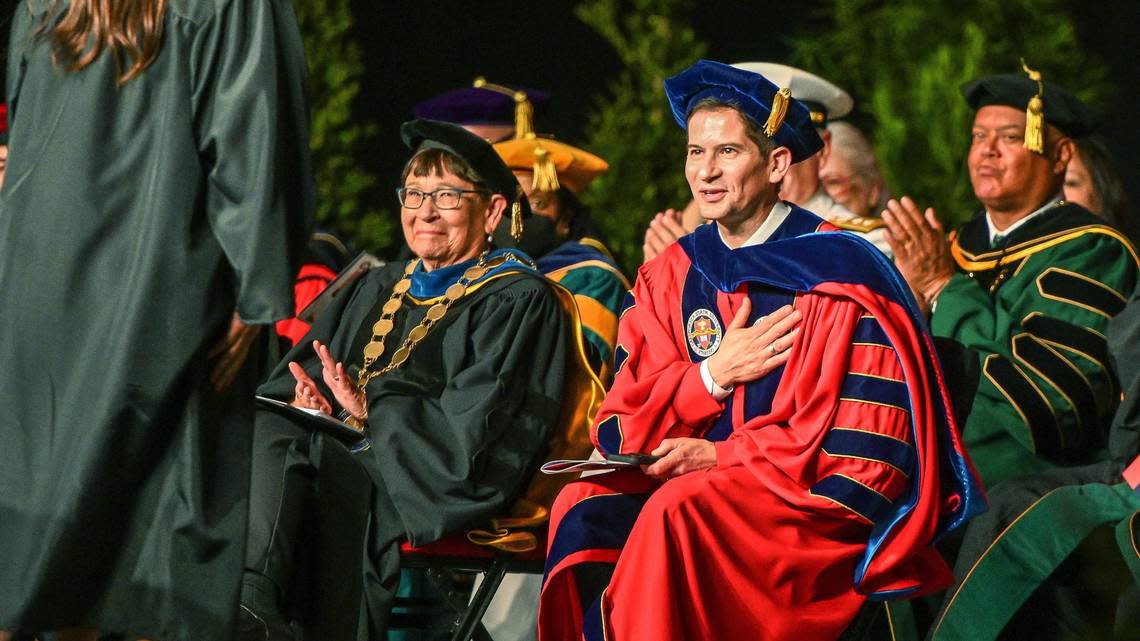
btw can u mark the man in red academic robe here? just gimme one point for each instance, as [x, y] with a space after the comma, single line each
[802, 470]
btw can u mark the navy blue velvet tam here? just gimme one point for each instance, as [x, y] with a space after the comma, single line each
[752, 94]
[475, 106]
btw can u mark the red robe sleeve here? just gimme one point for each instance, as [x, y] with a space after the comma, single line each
[790, 442]
[657, 392]
[312, 279]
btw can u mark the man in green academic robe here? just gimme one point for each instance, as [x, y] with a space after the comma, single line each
[1029, 284]
[145, 224]
[1055, 557]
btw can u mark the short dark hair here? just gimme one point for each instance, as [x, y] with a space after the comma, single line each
[434, 160]
[754, 132]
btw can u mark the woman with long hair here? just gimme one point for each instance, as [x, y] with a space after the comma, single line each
[157, 194]
[1091, 181]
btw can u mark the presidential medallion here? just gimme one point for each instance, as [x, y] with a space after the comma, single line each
[703, 330]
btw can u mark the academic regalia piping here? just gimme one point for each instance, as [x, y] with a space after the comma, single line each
[826, 260]
[598, 287]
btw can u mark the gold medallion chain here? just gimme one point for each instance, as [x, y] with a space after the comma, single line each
[375, 347]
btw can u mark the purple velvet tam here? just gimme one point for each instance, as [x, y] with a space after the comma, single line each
[473, 106]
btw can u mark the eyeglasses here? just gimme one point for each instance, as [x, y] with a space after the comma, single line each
[445, 198]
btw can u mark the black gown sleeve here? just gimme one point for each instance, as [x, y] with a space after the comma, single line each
[252, 130]
[336, 326]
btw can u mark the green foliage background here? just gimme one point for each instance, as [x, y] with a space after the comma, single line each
[345, 191]
[631, 125]
[905, 61]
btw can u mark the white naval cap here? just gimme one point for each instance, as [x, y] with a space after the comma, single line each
[825, 100]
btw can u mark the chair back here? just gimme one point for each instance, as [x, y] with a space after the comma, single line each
[570, 439]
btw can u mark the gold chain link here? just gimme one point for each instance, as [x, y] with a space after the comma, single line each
[375, 347]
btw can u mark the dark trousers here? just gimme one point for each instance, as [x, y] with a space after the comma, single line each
[323, 544]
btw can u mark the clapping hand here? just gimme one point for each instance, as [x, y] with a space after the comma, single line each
[343, 388]
[922, 253]
[664, 230]
[308, 395]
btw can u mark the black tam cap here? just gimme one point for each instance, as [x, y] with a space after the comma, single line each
[1062, 109]
[419, 135]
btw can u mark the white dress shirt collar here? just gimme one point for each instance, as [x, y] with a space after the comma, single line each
[775, 218]
[994, 232]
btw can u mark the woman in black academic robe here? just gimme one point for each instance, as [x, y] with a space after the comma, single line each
[453, 432]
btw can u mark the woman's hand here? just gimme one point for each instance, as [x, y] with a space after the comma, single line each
[306, 394]
[681, 456]
[230, 352]
[344, 390]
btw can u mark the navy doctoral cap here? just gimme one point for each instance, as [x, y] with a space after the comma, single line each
[1062, 109]
[752, 94]
[420, 135]
[477, 105]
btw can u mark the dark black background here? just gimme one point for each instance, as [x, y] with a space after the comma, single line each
[414, 50]
[418, 51]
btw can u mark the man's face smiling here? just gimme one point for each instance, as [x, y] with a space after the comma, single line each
[725, 169]
[1006, 176]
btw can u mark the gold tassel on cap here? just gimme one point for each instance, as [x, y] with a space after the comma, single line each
[779, 110]
[524, 116]
[524, 110]
[1035, 114]
[545, 173]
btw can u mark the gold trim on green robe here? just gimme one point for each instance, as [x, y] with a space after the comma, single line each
[1036, 313]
